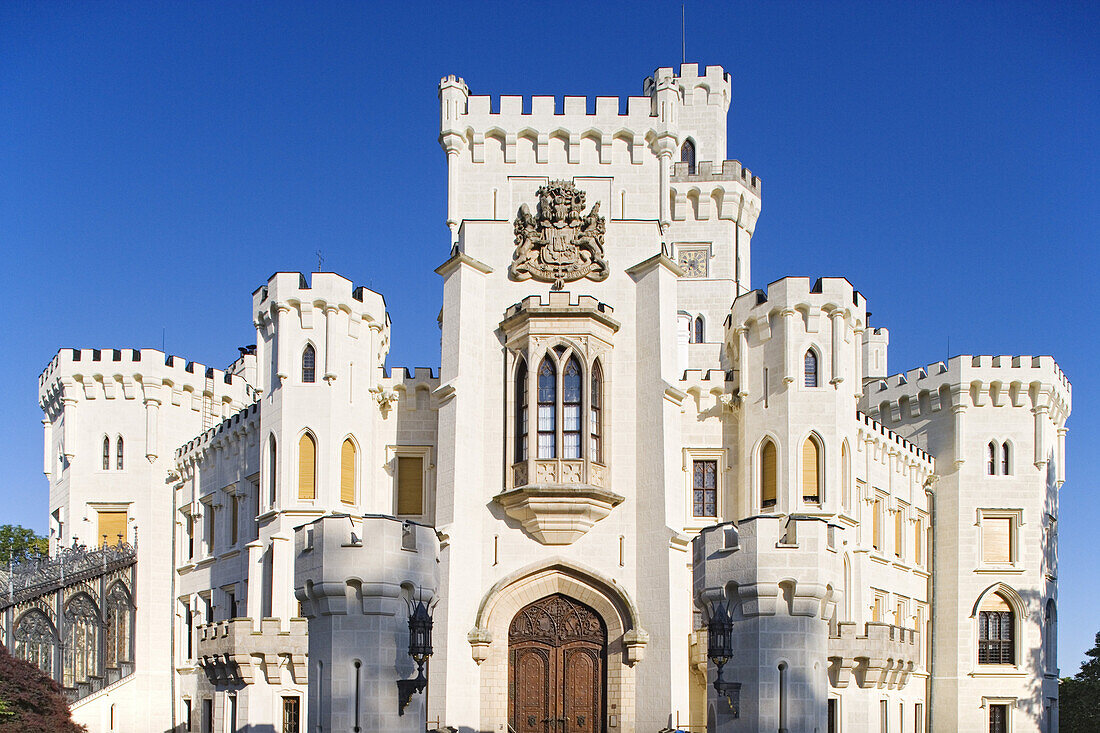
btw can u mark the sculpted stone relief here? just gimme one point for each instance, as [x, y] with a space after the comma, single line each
[559, 243]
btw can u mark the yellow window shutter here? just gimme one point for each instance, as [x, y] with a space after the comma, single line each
[768, 468]
[111, 524]
[347, 472]
[809, 471]
[307, 467]
[995, 602]
[918, 533]
[876, 526]
[899, 532]
[996, 540]
[410, 485]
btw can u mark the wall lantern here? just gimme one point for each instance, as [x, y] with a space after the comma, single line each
[719, 650]
[420, 648]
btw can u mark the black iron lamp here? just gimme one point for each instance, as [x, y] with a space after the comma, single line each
[420, 649]
[719, 650]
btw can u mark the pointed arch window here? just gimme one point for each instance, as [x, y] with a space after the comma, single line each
[996, 631]
[811, 470]
[991, 466]
[347, 471]
[118, 627]
[309, 364]
[596, 416]
[118, 454]
[810, 368]
[700, 330]
[106, 453]
[547, 404]
[1006, 464]
[307, 467]
[521, 411]
[845, 476]
[35, 640]
[81, 649]
[769, 465]
[571, 409]
[687, 155]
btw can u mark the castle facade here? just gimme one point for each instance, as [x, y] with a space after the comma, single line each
[625, 447]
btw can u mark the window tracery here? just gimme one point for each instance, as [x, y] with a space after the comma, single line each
[81, 650]
[35, 640]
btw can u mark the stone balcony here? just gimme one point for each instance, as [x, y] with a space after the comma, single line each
[234, 650]
[565, 499]
[884, 657]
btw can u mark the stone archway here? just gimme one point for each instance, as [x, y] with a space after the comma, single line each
[557, 676]
[626, 640]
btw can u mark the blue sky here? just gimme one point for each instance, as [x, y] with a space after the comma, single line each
[159, 160]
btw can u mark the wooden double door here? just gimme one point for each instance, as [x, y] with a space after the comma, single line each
[557, 668]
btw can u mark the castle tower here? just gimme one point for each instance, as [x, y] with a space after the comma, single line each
[113, 419]
[997, 427]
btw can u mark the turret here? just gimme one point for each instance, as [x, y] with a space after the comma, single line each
[875, 344]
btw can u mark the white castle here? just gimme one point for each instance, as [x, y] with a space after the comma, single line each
[629, 466]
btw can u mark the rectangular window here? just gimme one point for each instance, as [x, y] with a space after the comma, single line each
[995, 637]
[998, 719]
[208, 528]
[918, 718]
[876, 610]
[234, 517]
[997, 540]
[884, 716]
[189, 621]
[833, 722]
[231, 713]
[918, 538]
[207, 715]
[187, 715]
[190, 523]
[704, 483]
[112, 527]
[899, 533]
[876, 525]
[291, 715]
[410, 485]
[231, 604]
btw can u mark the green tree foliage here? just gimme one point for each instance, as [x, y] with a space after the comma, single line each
[33, 701]
[19, 543]
[1079, 696]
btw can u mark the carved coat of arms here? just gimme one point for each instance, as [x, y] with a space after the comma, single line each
[559, 243]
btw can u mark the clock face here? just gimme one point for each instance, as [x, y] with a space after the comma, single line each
[694, 262]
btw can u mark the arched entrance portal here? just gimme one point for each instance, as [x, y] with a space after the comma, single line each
[557, 667]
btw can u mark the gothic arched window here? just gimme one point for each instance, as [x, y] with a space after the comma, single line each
[106, 453]
[119, 625]
[309, 364]
[521, 411]
[699, 330]
[810, 364]
[307, 467]
[811, 470]
[118, 454]
[35, 640]
[996, 631]
[595, 416]
[547, 406]
[81, 650]
[571, 409]
[687, 155]
[769, 465]
[347, 471]
[272, 470]
[991, 468]
[1006, 465]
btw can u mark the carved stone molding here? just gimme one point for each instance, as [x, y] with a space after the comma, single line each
[557, 514]
[559, 243]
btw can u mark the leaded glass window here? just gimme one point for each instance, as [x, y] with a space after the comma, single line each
[571, 409]
[995, 637]
[547, 407]
[811, 368]
[704, 489]
[309, 364]
[521, 412]
[81, 650]
[595, 416]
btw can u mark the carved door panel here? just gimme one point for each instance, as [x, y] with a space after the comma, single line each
[556, 670]
[582, 690]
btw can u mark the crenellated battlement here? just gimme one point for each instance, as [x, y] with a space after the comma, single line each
[241, 422]
[825, 295]
[871, 426]
[323, 291]
[1017, 381]
[558, 301]
[714, 171]
[714, 79]
[136, 374]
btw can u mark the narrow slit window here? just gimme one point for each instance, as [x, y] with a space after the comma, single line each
[118, 454]
[571, 409]
[347, 471]
[106, 453]
[992, 465]
[687, 155]
[700, 330]
[547, 406]
[1006, 466]
[272, 471]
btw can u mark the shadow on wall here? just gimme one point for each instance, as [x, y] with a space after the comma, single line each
[265, 728]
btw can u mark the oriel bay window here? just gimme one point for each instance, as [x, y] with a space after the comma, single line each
[567, 392]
